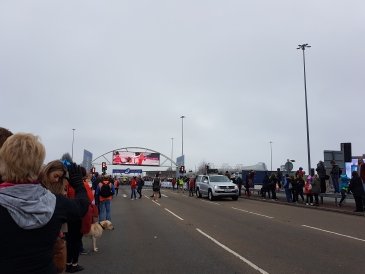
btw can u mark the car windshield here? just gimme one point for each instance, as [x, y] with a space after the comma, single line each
[219, 179]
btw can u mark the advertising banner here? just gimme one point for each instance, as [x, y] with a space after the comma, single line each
[135, 158]
[127, 171]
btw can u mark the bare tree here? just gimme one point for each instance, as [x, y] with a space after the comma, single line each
[202, 167]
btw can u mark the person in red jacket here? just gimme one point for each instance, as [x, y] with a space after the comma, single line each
[191, 186]
[133, 184]
[105, 191]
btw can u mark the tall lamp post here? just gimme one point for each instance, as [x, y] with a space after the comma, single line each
[182, 135]
[172, 150]
[73, 140]
[303, 47]
[271, 154]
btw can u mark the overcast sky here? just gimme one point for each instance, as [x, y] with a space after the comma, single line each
[123, 72]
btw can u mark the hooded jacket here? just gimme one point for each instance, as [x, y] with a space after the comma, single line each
[31, 218]
[30, 206]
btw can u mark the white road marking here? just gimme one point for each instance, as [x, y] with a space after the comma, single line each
[163, 195]
[233, 252]
[205, 201]
[253, 213]
[174, 214]
[331, 232]
[148, 197]
[156, 203]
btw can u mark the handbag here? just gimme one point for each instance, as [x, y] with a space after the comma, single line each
[59, 255]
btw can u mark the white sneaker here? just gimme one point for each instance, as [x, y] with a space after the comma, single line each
[306, 204]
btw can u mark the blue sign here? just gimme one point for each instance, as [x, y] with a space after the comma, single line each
[127, 171]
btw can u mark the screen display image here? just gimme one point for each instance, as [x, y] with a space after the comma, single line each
[136, 158]
[353, 166]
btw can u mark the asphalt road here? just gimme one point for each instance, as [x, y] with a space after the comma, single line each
[182, 234]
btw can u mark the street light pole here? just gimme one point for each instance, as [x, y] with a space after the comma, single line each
[172, 150]
[73, 140]
[182, 135]
[302, 47]
[271, 154]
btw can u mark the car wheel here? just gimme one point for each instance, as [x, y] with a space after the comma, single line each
[198, 194]
[234, 198]
[210, 195]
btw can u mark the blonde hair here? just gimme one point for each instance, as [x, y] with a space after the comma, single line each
[21, 158]
[46, 180]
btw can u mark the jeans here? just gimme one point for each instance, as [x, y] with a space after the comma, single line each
[73, 241]
[316, 199]
[309, 198]
[133, 193]
[335, 184]
[323, 184]
[139, 190]
[247, 191]
[343, 195]
[288, 195]
[104, 213]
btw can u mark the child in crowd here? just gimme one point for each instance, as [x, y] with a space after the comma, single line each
[308, 190]
[344, 187]
[316, 188]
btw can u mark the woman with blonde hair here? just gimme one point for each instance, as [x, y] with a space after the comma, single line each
[31, 216]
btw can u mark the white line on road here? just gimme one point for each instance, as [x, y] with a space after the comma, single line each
[209, 202]
[163, 195]
[331, 232]
[253, 213]
[233, 252]
[156, 203]
[174, 214]
[147, 197]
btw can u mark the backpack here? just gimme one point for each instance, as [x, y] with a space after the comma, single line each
[105, 190]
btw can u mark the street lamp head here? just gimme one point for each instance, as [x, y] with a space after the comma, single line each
[182, 117]
[303, 46]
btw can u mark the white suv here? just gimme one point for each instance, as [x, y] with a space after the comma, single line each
[214, 186]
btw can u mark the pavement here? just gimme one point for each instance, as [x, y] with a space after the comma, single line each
[329, 204]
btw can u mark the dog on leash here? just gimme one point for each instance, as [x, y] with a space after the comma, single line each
[96, 231]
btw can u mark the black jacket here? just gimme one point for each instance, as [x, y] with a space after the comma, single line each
[30, 251]
[356, 186]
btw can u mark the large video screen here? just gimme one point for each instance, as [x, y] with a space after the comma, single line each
[136, 158]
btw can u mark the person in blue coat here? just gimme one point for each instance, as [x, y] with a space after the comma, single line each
[344, 187]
